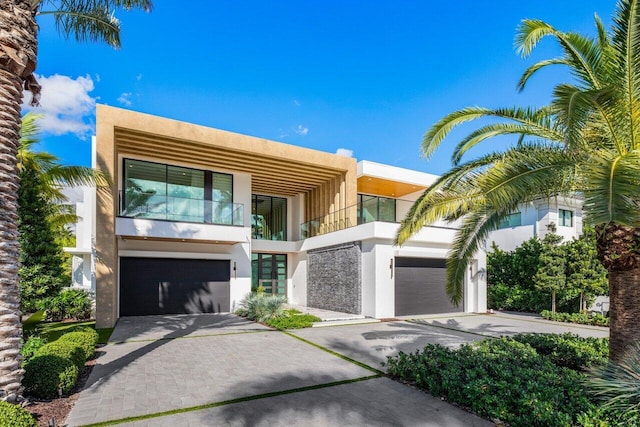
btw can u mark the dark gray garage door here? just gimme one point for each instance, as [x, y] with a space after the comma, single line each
[173, 286]
[420, 287]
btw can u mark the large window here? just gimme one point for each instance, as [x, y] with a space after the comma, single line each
[511, 220]
[374, 208]
[565, 218]
[268, 217]
[159, 191]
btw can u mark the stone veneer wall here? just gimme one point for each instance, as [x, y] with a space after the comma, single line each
[334, 278]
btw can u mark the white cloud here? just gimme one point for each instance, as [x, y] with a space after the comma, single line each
[344, 152]
[97, 78]
[125, 99]
[65, 105]
[139, 77]
[301, 130]
[296, 102]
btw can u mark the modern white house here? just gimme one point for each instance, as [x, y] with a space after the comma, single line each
[198, 218]
[533, 219]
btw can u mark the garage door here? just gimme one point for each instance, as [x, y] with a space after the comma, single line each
[173, 286]
[420, 287]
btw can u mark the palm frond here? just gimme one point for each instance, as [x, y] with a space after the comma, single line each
[626, 42]
[582, 54]
[473, 232]
[92, 20]
[611, 193]
[529, 72]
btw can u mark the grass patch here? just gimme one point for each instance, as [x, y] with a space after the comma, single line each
[104, 334]
[51, 331]
[33, 321]
[293, 319]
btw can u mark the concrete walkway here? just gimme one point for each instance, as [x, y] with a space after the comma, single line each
[224, 370]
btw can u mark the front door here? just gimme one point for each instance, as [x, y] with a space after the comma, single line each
[270, 272]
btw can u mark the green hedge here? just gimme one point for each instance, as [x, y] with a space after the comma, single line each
[15, 416]
[568, 350]
[498, 378]
[86, 340]
[46, 373]
[55, 366]
[581, 318]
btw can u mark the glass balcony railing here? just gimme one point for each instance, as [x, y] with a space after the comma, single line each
[179, 209]
[354, 215]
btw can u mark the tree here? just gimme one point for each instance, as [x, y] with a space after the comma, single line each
[586, 140]
[550, 275]
[42, 216]
[584, 272]
[86, 20]
[41, 258]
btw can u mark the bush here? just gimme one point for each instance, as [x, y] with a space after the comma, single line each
[67, 350]
[261, 307]
[36, 285]
[293, 319]
[568, 350]
[30, 346]
[86, 340]
[581, 318]
[498, 378]
[15, 416]
[69, 304]
[46, 373]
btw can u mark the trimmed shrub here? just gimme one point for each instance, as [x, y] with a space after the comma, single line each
[261, 307]
[580, 318]
[30, 346]
[568, 350]
[498, 378]
[15, 416]
[293, 319]
[85, 339]
[46, 373]
[68, 350]
[69, 304]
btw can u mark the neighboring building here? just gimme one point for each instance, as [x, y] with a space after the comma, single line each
[533, 219]
[83, 254]
[198, 217]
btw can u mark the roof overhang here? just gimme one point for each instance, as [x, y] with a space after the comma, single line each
[275, 168]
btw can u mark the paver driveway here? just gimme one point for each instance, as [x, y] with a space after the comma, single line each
[225, 370]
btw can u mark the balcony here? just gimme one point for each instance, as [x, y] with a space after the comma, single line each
[179, 209]
[361, 213]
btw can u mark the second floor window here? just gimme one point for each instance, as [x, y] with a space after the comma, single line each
[511, 220]
[565, 218]
[175, 193]
[268, 217]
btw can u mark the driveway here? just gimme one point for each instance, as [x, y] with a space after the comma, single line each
[218, 369]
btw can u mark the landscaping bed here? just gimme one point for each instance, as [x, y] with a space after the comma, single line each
[526, 380]
[57, 354]
[579, 318]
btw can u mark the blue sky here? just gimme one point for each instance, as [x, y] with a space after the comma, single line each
[366, 76]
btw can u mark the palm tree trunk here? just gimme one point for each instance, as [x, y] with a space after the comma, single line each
[553, 301]
[624, 311]
[18, 46]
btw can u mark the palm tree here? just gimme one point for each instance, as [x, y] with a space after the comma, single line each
[86, 20]
[586, 140]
